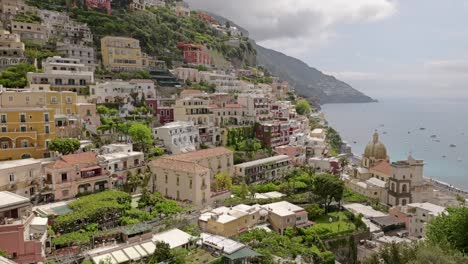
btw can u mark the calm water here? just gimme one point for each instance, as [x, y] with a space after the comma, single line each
[447, 119]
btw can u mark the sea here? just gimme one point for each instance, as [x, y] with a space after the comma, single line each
[432, 129]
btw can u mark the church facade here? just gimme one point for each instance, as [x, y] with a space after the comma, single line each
[392, 183]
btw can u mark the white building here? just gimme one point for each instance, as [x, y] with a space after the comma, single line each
[119, 160]
[63, 74]
[178, 137]
[257, 105]
[23, 177]
[417, 215]
[86, 54]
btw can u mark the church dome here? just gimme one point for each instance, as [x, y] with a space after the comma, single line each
[376, 149]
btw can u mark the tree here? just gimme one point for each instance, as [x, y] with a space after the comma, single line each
[141, 135]
[329, 188]
[419, 253]
[156, 152]
[450, 228]
[64, 146]
[223, 181]
[161, 253]
[244, 190]
[15, 76]
[314, 211]
[334, 139]
[302, 107]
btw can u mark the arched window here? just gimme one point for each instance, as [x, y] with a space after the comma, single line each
[404, 188]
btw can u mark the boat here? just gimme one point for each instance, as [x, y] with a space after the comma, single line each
[433, 136]
[385, 133]
[436, 140]
[459, 159]
[444, 156]
[355, 142]
[422, 128]
[453, 145]
[409, 132]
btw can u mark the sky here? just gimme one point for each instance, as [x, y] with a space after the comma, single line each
[385, 48]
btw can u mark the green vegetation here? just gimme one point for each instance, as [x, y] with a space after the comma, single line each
[328, 188]
[258, 80]
[223, 181]
[334, 140]
[292, 244]
[340, 225]
[27, 18]
[303, 107]
[97, 208]
[158, 204]
[419, 253]
[161, 33]
[450, 229]
[65, 146]
[141, 136]
[353, 197]
[15, 76]
[202, 86]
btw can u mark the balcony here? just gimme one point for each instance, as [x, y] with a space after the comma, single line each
[91, 172]
[16, 134]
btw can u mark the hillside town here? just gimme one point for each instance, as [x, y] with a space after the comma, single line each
[112, 152]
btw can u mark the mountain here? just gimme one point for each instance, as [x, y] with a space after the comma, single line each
[307, 81]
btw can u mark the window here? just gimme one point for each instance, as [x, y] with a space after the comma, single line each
[24, 143]
[3, 118]
[47, 129]
[27, 98]
[23, 128]
[178, 181]
[47, 143]
[165, 178]
[22, 118]
[5, 144]
[46, 117]
[191, 183]
[4, 129]
[53, 100]
[64, 177]
[12, 177]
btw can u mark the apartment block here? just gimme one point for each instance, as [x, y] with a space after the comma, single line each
[23, 236]
[263, 170]
[34, 32]
[122, 54]
[188, 177]
[23, 177]
[178, 137]
[63, 74]
[74, 174]
[11, 50]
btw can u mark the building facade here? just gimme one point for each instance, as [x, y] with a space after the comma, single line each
[122, 54]
[63, 74]
[11, 50]
[34, 32]
[74, 174]
[178, 137]
[263, 170]
[23, 177]
[188, 177]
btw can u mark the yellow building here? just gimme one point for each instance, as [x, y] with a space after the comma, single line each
[122, 54]
[31, 118]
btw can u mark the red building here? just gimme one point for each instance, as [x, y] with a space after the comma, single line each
[273, 134]
[195, 54]
[165, 114]
[99, 4]
[207, 18]
[153, 104]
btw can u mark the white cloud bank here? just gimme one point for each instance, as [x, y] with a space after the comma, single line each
[295, 26]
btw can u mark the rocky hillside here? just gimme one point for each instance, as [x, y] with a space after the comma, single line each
[307, 81]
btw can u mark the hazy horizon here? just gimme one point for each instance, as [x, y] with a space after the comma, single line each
[384, 48]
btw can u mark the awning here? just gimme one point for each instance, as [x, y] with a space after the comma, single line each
[243, 254]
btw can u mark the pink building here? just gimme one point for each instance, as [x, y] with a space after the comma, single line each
[22, 234]
[295, 153]
[74, 174]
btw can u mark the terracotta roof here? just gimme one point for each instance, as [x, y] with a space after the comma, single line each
[201, 154]
[66, 161]
[141, 81]
[383, 167]
[179, 165]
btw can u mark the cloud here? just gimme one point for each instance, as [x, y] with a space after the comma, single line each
[447, 66]
[297, 23]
